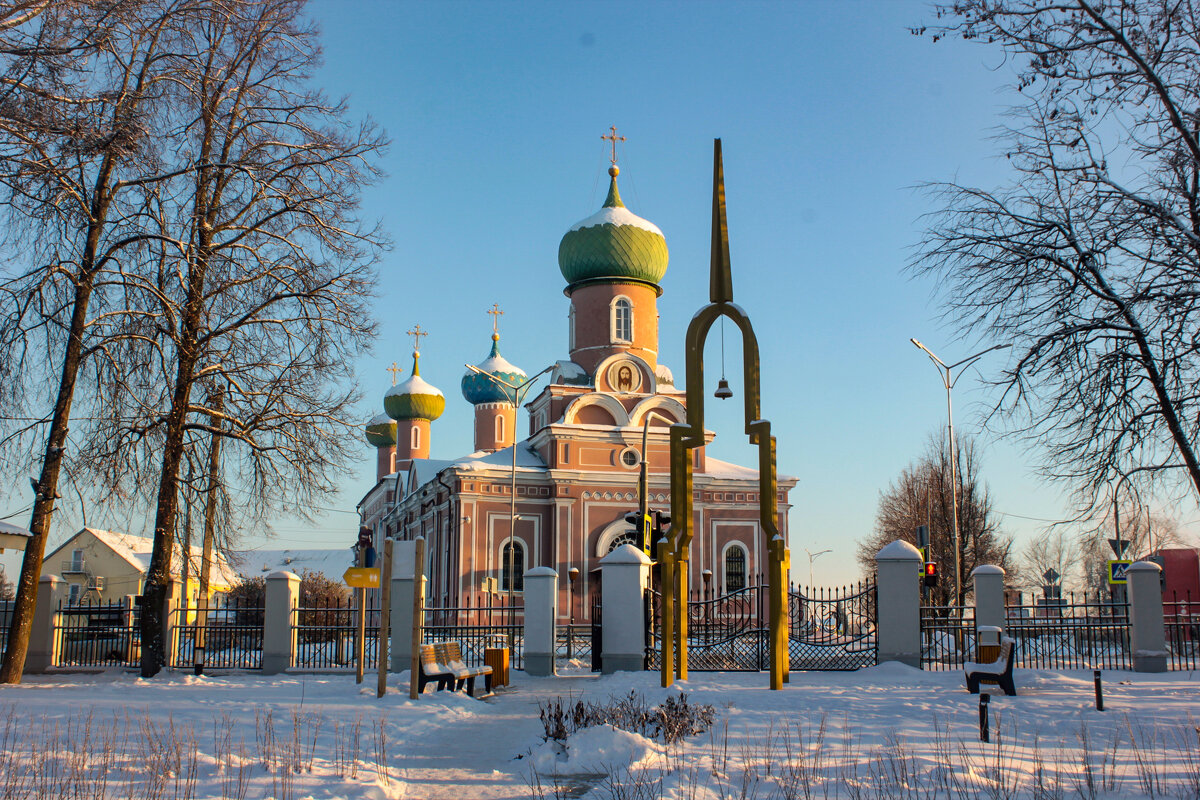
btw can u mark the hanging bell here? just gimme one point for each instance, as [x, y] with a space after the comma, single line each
[723, 391]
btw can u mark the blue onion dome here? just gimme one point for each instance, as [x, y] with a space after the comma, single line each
[414, 397]
[480, 389]
[613, 243]
[381, 431]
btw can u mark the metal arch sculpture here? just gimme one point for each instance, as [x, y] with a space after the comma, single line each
[687, 436]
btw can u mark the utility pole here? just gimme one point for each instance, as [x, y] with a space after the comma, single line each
[217, 404]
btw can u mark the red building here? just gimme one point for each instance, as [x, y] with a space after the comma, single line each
[576, 472]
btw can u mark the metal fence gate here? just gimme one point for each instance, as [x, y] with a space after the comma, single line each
[832, 629]
[828, 629]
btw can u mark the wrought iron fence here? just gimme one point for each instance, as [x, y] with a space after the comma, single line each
[1078, 631]
[487, 622]
[574, 641]
[832, 628]
[96, 635]
[226, 636]
[6, 612]
[1181, 617]
[947, 637]
[725, 633]
[326, 636]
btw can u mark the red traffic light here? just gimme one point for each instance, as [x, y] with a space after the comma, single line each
[931, 568]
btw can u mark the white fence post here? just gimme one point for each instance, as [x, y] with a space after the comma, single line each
[43, 644]
[541, 601]
[1147, 634]
[403, 566]
[989, 595]
[898, 635]
[625, 573]
[279, 634]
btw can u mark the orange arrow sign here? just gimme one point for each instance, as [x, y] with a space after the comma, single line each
[362, 577]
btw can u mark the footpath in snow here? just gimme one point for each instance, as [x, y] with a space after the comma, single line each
[888, 731]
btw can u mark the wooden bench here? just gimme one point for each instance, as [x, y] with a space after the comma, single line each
[442, 662]
[998, 672]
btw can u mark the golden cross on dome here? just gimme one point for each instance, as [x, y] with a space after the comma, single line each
[496, 314]
[613, 138]
[395, 371]
[417, 333]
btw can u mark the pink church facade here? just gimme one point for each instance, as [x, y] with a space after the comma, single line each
[578, 464]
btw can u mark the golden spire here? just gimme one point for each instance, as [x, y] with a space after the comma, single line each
[395, 371]
[496, 314]
[613, 139]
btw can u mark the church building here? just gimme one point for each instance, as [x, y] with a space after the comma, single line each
[558, 497]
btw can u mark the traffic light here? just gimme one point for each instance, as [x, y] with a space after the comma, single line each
[642, 526]
[931, 573]
[661, 520]
[366, 547]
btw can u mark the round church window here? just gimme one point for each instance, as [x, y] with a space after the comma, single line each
[630, 457]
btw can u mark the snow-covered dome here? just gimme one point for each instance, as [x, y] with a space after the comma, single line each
[662, 374]
[414, 397]
[613, 243]
[479, 389]
[381, 431]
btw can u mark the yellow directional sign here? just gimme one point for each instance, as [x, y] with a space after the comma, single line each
[362, 577]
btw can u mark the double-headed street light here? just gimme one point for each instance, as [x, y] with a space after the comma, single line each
[515, 393]
[946, 372]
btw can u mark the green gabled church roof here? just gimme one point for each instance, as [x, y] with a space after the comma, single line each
[613, 243]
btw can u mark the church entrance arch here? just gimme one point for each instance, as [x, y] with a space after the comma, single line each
[614, 535]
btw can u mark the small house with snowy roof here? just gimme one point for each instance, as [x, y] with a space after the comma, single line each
[559, 496]
[102, 566]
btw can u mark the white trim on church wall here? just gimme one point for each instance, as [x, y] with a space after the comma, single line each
[667, 406]
[605, 401]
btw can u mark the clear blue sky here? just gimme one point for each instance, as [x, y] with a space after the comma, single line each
[830, 114]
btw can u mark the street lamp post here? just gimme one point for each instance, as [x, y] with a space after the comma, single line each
[811, 558]
[643, 477]
[946, 372]
[516, 394]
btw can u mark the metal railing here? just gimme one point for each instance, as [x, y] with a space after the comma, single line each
[1181, 617]
[227, 636]
[476, 626]
[1078, 631]
[574, 642]
[326, 636]
[947, 637]
[832, 628]
[6, 612]
[96, 635]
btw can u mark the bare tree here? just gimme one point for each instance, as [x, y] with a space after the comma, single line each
[1052, 550]
[921, 495]
[1089, 262]
[261, 293]
[75, 149]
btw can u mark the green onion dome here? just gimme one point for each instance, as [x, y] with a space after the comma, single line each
[381, 431]
[414, 397]
[481, 389]
[613, 243]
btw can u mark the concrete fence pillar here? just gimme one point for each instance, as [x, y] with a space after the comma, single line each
[43, 649]
[403, 586]
[989, 595]
[1147, 635]
[898, 636]
[279, 631]
[171, 620]
[541, 611]
[624, 575]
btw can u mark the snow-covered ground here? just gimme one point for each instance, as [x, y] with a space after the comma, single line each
[870, 733]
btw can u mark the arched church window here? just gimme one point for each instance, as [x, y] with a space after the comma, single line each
[735, 569]
[415, 438]
[499, 429]
[571, 327]
[628, 537]
[622, 320]
[513, 575]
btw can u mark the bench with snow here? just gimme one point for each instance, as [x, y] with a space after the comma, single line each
[442, 662]
[996, 672]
